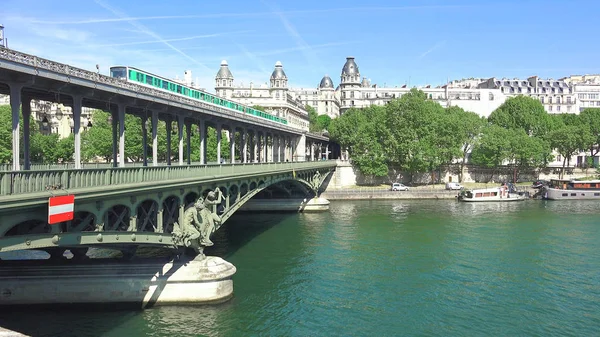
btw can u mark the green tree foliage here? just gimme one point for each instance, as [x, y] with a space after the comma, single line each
[97, 141]
[360, 131]
[322, 123]
[590, 118]
[312, 118]
[522, 112]
[567, 140]
[493, 147]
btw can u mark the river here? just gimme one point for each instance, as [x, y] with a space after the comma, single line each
[384, 268]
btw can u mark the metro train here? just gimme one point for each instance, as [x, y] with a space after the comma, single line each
[144, 78]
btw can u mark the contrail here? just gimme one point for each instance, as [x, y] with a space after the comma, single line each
[149, 32]
[232, 15]
[170, 40]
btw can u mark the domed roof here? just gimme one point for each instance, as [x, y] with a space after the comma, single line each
[350, 68]
[224, 72]
[278, 72]
[326, 82]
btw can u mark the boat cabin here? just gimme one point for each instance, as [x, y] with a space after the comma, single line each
[564, 184]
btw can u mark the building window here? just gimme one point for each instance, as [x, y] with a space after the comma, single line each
[550, 108]
[550, 100]
[542, 100]
[568, 108]
[558, 108]
[559, 158]
[568, 100]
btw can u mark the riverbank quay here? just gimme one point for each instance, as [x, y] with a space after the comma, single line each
[417, 192]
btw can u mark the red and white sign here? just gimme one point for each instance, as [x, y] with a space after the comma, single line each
[61, 208]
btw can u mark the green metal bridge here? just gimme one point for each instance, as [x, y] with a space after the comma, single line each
[126, 207]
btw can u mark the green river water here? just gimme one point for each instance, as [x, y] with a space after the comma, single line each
[384, 268]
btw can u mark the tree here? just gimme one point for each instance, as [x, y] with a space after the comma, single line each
[360, 131]
[322, 123]
[522, 112]
[493, 148]
[567, 140]
[312, 118]
[417, 135]
[468, 132]
[590, 117]
[97, 140]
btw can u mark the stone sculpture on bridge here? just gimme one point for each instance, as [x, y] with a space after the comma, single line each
[199, 222]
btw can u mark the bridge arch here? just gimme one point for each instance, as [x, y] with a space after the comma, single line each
[170, 212]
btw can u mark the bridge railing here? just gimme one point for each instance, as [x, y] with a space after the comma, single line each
[32, 181]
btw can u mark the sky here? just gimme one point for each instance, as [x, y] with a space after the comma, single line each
[394, 42]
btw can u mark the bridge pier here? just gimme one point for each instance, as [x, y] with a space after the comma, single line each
[143, 283]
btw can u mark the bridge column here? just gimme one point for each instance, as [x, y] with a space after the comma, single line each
[312, 151]
[154, 138]
[169, 123]
[115, 122]
[327, 152]
[244, 145]
[202, 127]
[180, 121]
[121, 135]
[145, 139]
[273, 148]
[219, 143]
[77, 105]
[15, 105]
[264, 145]
[26, 109]
[188, 129]
[254, 146]
[279, 148]
[300, 151]
[232, 144]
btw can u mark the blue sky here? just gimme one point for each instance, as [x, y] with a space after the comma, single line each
[393, 41]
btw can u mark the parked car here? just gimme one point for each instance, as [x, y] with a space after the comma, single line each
[399, 187]
[453, 186]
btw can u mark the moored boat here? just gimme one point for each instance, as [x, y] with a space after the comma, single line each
[561, 189]
[502, 193]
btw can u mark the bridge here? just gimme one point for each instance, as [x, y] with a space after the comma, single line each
[122, 205]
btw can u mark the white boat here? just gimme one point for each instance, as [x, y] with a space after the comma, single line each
[560, 189]
[497, 194]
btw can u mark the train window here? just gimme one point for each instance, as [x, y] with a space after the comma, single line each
[179, 89]
[165, 85]
[149, 79]
[118, 72]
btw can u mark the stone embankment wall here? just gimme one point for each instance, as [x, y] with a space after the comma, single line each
[383, 194]
[346, 175]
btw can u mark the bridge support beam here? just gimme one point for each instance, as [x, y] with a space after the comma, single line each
[254, 146]
[169, 123]
[232, 144]
[121, 135]
[202, 126]
[219, 143]
[77, 105]
[244, 145]
[115, 123]
[188, 141]
[264, 146]
[26, 109]
[279, 148]
[145, 140]
[15, 106]
[180, 122]
[154, 138]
